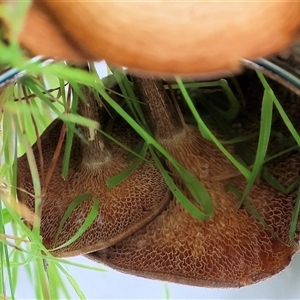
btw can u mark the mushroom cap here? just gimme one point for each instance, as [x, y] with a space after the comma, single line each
[230, 249]
[122, 209]
[161, 37]
[233, 248]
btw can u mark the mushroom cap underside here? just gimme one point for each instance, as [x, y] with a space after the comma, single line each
[122, 209]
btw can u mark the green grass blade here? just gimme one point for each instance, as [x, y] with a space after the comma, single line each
[263, 141]
[69, 138]
[167, 291]
[57, 283]
[6, 216]
[235, 106]
[70, 117]
[295, 218]
[192, 180]
[35, 178]
[205, 200]
[127, 92]
[42, 286]
[87, 222]
[73, 282]
[206, 133]
[116, 180]
[252, 210]
[277, 185]
[84, 266]
[280, 109]
[5, 262]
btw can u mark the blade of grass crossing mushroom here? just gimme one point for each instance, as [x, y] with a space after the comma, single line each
[129, 95]
[192, 180]
[192, 183]
[31, 257]
[116, 180]
[75, 264]
[112, 182]
[134, 153]
[280, 109]
[69, 137]
[188, 85]
[205, 200]
[255, 213]
[263, 141]
[296, 136]
[290, 149]
[252, 210]
[87, 222]
[235, 106]
[206, 133]
[295, 216]
[274, 182]
[246, 153]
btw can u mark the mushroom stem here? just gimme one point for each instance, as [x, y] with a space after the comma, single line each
[163, 117]
[94, 152]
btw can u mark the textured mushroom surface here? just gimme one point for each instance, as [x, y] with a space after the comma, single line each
[230, 249]
[122, 209]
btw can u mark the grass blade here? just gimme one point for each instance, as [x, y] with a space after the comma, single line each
[73, 282]
[206, 133]
[87, 222]
[263, 141]
[295, 218]
[116, 180]
[205, 200]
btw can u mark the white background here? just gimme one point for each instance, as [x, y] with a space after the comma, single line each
[115, 285]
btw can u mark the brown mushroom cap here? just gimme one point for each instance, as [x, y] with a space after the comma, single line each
[230, 249]
[122, 209]
[161, 37]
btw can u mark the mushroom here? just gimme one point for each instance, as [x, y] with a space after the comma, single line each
[230, 249]
[122, 209]
[161, 37]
